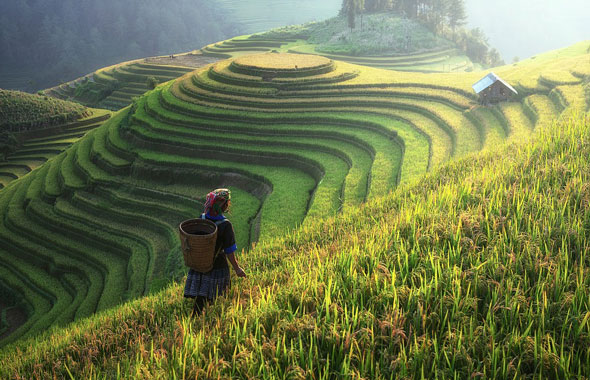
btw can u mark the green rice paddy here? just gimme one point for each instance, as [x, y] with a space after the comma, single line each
[450, 267]
[36, 146]
[478, 268]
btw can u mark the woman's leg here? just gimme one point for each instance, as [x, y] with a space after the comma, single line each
[200, 303]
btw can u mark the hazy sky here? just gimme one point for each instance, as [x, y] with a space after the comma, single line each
[527, 27]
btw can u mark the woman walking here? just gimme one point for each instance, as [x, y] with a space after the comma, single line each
[204, 287]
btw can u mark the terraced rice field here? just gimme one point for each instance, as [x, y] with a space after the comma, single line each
[96, 225]
[40, 145]
[438, 60]
[131, 81]
[115, 87]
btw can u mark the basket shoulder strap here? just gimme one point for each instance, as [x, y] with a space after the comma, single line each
[217, 222]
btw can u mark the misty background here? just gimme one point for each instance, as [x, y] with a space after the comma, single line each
[516, 28]
[523, 28]
[254, 16]
[47, 42]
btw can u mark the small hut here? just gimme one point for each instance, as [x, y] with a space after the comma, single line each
[493, 89]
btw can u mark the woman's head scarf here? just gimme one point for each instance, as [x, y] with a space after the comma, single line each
[216, 200]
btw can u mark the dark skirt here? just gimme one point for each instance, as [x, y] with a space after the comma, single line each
[210, 284]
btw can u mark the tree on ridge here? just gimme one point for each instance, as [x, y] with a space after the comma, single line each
[456, 15]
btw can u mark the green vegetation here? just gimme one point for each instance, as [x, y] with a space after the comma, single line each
[151, 82]
[20, 111]
[381, 34]
[34, 128]
[297, 142]
[479, 269]
[115, 87]
[8, 144]
[425, 35]
[386, 41]
[444, 18]
[27, 150]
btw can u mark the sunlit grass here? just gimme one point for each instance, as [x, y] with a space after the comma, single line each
[273, 141]
[281, 61]
[478, 270]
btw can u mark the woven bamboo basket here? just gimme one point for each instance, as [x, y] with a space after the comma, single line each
[198, 238]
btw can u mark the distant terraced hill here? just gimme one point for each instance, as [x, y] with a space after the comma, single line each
[295, 137]
[419, 50]
[386, 42]
[42, 127]
[36, 147]
[115, 86]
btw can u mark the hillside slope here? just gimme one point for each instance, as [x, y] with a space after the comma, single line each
[96, 225]
[35, 128]
[114, 87]
[479, 270]
[21, 111]
[386, 41]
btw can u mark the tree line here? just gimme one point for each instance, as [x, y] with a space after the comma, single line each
[59, 40]
[445, 18]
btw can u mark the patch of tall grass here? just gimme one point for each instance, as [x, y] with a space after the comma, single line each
[479, 270]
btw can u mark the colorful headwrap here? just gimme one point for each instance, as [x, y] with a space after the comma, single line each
[216, 199]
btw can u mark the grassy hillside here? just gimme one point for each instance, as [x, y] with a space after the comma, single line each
[380, 34]
[385, 41]
[114, 87]
[36, 128]
[96, 225]
[21, 111]
[34, 147]
[478, 270]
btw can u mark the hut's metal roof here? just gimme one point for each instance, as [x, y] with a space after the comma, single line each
[488, 80]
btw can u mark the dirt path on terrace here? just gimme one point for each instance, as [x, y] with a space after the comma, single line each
[188, 60]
